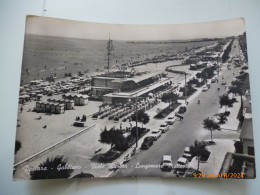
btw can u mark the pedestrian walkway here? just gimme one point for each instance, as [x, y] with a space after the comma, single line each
[233, 122]
[217, 154]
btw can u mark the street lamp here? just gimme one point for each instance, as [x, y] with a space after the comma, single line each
[136, 120]
[185, 90]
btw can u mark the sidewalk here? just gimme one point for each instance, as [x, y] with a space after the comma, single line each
[217, 154]
[232, 122]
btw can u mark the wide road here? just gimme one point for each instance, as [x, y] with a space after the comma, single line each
[182, 133]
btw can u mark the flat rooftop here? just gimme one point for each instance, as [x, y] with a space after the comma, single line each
[140, 91]
[119, 77]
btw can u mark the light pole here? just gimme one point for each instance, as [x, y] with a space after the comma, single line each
[185, 90]
[136, 120]
[136, 129]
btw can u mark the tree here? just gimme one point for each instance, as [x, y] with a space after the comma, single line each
[244, 68]
[236, 89]
[198, 149]
[189, 90]
[211, 125]
[236, 83]
[206, 73]
[170, 97]
[193, 81]
[142, 117]
[49, 169]
[106, 136]
[18, 146]
[114, 137]
[224, 101]
[222, 118]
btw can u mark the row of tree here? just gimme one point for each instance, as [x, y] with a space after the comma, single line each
[206, 73]
[225, 55]
[199, 148]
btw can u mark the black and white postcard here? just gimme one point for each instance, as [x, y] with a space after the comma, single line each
[120, 100]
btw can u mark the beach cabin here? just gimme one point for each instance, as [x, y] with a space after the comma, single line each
[53, 108]
[69, 104]
[81, 100]
[38, 106]
[48, 107]
[59, 108]
[43, 107]
[68, 96]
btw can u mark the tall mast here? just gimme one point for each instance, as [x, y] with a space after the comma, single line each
[109, 50]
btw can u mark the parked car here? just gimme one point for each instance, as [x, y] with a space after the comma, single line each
[182, 109]
[167, 163]
[205, 88]
[164, 127]
[181, 166]
[156, 134]
[213, 80]
[147, 143]
[187, 153]
[170, 120]
[223, 82]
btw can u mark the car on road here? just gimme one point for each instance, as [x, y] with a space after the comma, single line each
[181, 166]
[164, 127]
[213, 80]
[205, 88]
[187, 154]
[170, 120]
[156, 134]
[182, 109]
[223, 82]
[147, 143]
[167, 163]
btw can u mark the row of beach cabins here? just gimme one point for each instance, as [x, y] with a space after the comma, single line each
[57, 106]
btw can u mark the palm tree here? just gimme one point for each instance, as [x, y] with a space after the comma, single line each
[197, 149]
[49, 169]
[211, 125]
[224, 101]
[222, 118]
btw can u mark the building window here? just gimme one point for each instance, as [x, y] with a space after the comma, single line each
[251, 150]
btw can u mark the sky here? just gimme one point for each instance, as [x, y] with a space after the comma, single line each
[100, 31]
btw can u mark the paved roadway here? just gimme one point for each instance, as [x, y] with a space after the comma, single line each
[182, 133]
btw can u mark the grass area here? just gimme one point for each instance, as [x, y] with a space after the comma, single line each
[113, 154]
[183, 97]
[166, 111]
